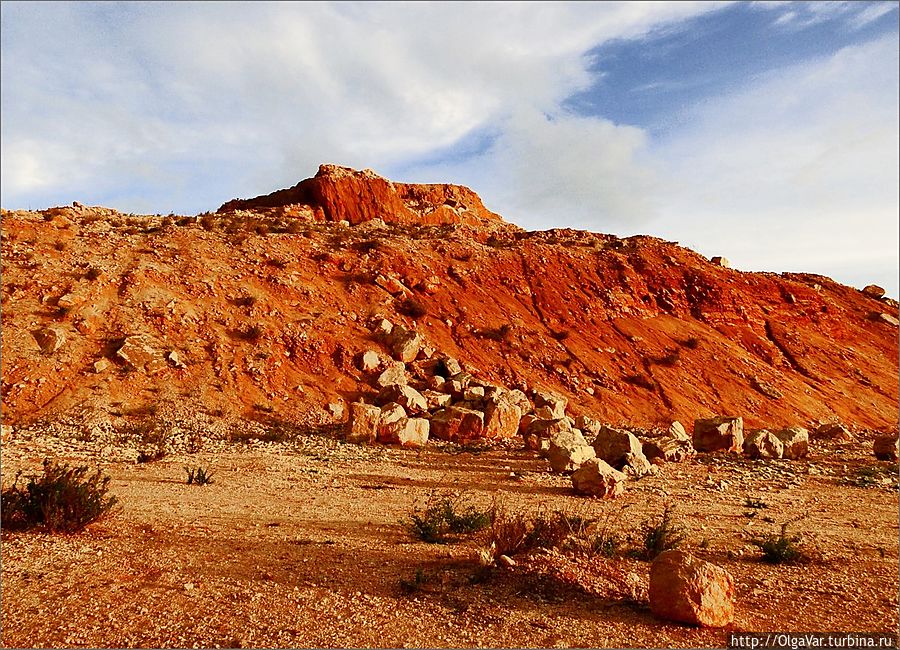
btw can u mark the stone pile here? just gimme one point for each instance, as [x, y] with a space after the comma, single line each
[423, 394]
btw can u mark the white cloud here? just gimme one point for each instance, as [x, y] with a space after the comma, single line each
[264, 92]
[797, 171]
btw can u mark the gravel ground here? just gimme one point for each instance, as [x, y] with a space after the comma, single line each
[304, 543]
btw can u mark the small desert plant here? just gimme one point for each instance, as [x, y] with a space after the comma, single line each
[668, 360]
[151, 456]
[93, 273]
[661, 536]
[781, 548]
[756, 504]
[692, 343]
[413, 308]
[63, 499]
[445, 516]
[501, 333]
[415, 585]
[198, 476]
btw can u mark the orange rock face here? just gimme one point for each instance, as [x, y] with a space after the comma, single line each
[342, 194]
[269, 311]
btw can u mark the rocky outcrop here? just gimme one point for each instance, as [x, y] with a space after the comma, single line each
[342, 194]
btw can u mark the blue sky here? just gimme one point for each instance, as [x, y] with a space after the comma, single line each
[765, 132]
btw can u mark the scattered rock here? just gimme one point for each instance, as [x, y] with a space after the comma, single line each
[568, 450]
[886, 448]
[50, 339]
[833, 431]
[336, 409]
[718, 260]
[457, 424]
[638, 466]
[436, 399]
[795, 441]
[362, 426]
[369, 361]
[405, 344]
[554, 402]
[406, 396]
[612, 445]
[874, 291]
[174, 358]
[407, 432]
[669, 450]
[138, 353]
[588, 424]
[395, 373]
[501, 418]
[676, 431]
[596, 478]
[101, 365]
[763, 444]
[689, 590]
[506, 562]
[887, 318]
[714, 434]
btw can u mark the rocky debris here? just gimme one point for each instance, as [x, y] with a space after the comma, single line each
[138, 353]
[539, 431]
[457, 424]
[763, 444]
[382, 328]
[833, 431]
[390, 414]
[596, 478]
[175, 359]
[450, 366]
[501, 419]
[677, 432]
[50, 339]
[405, 344]
[436, 400]
[336, 409]
[362, 426]
[886, 448]
[874, 291]
[887, 318]
[718, 260]
[766, 388]
[613, 445]
[369, 361]
[568, 450]
[406, 396]
[6, 432]
[588, 424]
[395, 373]
[637, 465]
[719, 433]
[795, 441]
[473, 394]
[554, 405]
[101, 365]
[391, 284]
[669, 450]
[689, 590]
[406, 432]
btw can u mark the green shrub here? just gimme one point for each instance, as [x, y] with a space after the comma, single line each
[198, 476]
[781, 548]
[63, 499]
[445, 516]
[661, 536]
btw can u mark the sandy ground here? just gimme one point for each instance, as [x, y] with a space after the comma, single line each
[304, 543]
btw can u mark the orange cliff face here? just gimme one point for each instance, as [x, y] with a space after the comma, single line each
[266, 306]
[342, 194]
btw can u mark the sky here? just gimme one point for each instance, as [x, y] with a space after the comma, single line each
[766, 132]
